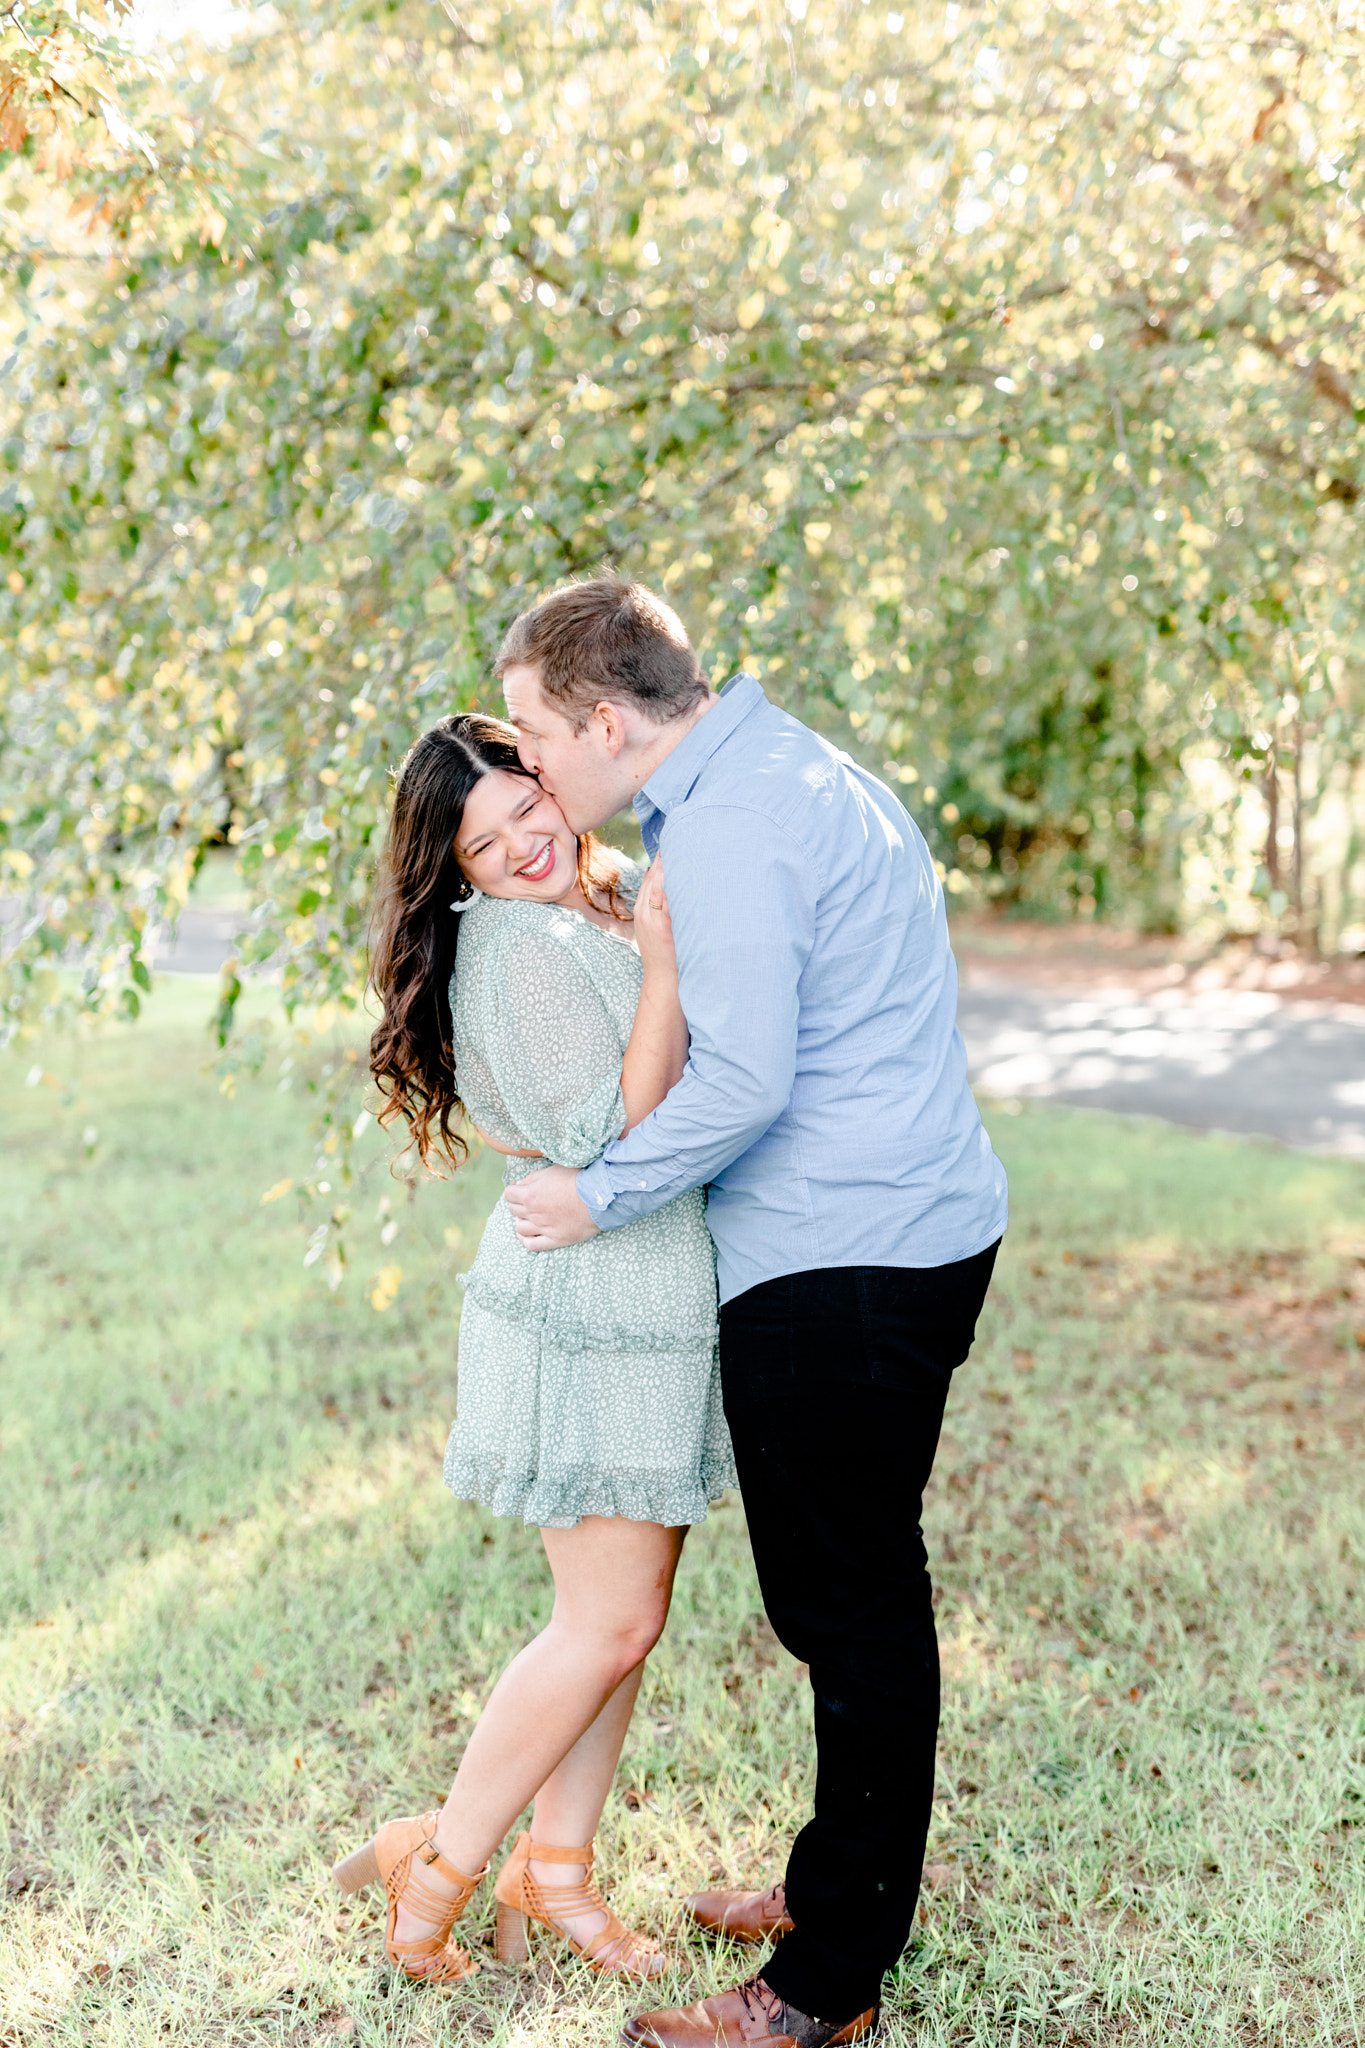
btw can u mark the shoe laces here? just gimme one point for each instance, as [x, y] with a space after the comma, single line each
[761, 2002]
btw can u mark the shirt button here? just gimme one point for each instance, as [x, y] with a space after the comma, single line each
[644, 1183]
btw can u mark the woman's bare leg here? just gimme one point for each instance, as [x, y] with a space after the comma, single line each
[540, 1728]
[569, 1804]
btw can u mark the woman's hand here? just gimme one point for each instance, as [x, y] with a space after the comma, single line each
[657, 1052]
[654, 928]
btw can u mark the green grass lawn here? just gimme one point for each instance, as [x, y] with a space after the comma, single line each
[243, 1621]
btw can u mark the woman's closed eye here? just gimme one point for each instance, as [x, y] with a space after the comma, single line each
[482, 845]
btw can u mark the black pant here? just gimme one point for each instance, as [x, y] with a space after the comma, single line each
[835, 1383]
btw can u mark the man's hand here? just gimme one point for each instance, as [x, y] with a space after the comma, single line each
[549, 1211]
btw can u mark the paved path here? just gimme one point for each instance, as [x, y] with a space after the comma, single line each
[1222, 1059]
[204, 941]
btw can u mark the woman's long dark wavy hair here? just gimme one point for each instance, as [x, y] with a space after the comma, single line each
[414, 931]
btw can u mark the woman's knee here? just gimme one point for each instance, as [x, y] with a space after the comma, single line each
[613, 1584]
[616, 1642]
[642, 1632]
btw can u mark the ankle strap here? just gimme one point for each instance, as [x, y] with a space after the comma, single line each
[428, 1854]
[542, 1852]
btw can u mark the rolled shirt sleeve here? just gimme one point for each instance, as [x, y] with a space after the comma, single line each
[742, 893]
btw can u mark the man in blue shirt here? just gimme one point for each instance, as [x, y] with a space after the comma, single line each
[856, 1206]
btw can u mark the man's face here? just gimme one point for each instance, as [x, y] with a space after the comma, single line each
[582, 770]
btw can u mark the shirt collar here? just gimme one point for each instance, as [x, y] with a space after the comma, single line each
[676, 776]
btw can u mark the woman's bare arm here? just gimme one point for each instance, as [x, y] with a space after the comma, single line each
[657, 1052]
[507, 1151]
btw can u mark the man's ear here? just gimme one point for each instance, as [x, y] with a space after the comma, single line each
[609, 727]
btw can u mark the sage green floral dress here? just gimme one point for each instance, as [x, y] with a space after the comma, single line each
[588, 1376]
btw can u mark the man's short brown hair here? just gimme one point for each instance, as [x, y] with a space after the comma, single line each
[606, 638]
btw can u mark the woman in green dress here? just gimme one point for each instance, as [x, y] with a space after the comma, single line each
[528, 981]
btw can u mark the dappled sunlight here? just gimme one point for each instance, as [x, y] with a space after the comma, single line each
[344, 1507]
[1229, 1059]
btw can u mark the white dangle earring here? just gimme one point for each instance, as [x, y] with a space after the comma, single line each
[463, 902]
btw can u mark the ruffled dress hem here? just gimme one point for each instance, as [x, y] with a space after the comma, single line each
[561, 1501]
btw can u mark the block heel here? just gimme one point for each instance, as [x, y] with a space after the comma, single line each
[509, 1937]
[355, 1871]
[614, 1949]
[403, 1857]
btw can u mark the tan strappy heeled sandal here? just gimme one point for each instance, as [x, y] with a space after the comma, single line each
[615, 1948]
[395, 1858]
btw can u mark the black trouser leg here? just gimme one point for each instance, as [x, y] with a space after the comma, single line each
[835, 1383]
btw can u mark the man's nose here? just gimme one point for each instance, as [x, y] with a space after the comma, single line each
[528, 756]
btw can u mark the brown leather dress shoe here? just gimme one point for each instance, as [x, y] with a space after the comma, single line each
[750, 2016]
[741, 1916]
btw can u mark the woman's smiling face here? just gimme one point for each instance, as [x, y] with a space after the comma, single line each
[513, 840]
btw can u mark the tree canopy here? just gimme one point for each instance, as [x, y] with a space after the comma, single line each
[990, 379]
[60, 73]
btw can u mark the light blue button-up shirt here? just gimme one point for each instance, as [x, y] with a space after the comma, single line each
[825, 1098]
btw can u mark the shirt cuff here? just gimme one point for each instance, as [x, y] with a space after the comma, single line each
[609, 1206]
[595, 1188]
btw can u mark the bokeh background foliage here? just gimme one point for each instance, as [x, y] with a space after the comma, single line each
[990, 379]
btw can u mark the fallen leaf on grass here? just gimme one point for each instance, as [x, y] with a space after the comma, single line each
[940, 1877]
